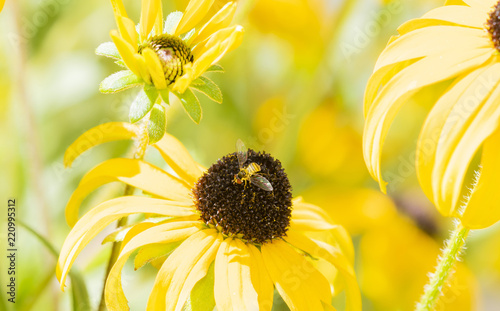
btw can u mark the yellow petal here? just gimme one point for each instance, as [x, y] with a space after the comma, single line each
[221, 19]
[401, 87]
[100, 134]
[155, 68]
[166, 233]
[233, 288]
[473, 118]
[437, 40]
[459, 14]
[136, 173]
[483, 209]
[298, 282]
[483, 5]
[431, 131]
[260, 279]
[118, 8]
[127, 52]
[194, 13]
[127, 30]
[309, 217]
[322, 250]
[104, 214]
[200, 247]
[143, 68]
[179, 159]
[150, 10]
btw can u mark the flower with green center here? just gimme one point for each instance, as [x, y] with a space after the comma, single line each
[169, 56]
[456, 48]
[214, 241]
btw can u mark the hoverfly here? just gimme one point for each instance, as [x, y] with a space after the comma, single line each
[249, 173]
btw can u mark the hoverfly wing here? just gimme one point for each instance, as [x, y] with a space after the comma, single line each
[261, 182]
[242, 152]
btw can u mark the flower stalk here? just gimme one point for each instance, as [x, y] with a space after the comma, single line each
[444, 269]
[140, 150]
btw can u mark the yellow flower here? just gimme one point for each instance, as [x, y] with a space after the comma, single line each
[455, 46]
[212, 237]
[169, 56]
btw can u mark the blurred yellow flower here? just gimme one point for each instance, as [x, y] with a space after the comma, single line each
[459, 44]
[216, 242]
[395, 261]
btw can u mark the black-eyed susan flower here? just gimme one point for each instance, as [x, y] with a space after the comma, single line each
[456, 45]
[215, 242]
[169, 56]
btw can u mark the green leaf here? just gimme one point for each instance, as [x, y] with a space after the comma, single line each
[121, 63]
[202, 295]
[119, 81]
[108, 49]
[141, 105]
[157, 124]
[164, 96]
[209, 88]
[81, 301]
[172, 22]
[191, 104]
[151, 92]
[215, 68]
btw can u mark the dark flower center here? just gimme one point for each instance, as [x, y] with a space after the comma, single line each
[245, 210]
[493, 25]
[173, 53]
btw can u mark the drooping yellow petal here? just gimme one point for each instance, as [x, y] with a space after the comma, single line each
[430, 135]
[155, 68]
[221, 19]
[127, 30]
[325, 251]
[233, 288]
[165, 234]
[472, 119]
[150, 10]
[483, 5]
[260, 279]
[136, 173]
[298, 282]
[200, 247]
[127, 52]
[179, 159]
[194, 13]
[143, 67]
[401, 87]
[460, 15]
[104, 214]
[100, 134]
[483, 209]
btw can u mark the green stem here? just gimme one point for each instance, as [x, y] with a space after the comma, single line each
[444, 269]
[129, 190]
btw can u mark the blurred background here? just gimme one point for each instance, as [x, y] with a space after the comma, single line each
[294, 88]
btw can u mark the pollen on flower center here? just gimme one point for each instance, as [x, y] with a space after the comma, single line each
[245, 210]
[173, 53]
[493, 25]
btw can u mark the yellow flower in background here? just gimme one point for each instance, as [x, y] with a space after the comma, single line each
[456, 44]
[171, 55]
[216, 242]
[395, 261]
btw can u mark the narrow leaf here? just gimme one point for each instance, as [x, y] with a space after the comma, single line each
[202, 295]
[108, 49]
[151, 92]
[140, 107]
[172, 22]
[81, 301]
[215, 68]
[157, 124]
[119, 81]
[164, 96]
[210, 89]
[191, 104]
